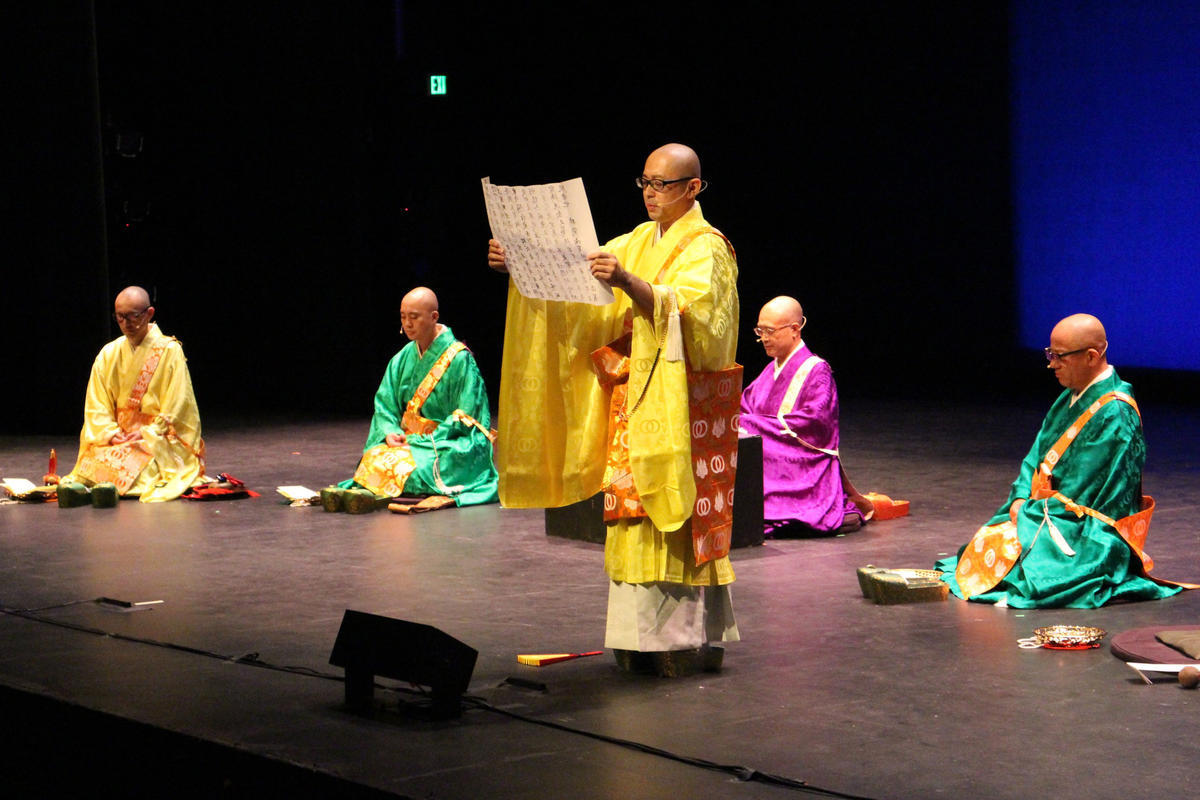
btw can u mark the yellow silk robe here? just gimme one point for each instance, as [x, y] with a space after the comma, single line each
[553, 412]
[169, 421]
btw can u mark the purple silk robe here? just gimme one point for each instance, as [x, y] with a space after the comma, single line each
[799, 484]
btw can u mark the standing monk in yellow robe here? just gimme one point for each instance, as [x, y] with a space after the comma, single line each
[566, 432]
[141, 427]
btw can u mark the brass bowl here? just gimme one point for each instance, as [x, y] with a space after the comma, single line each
[1069, 637]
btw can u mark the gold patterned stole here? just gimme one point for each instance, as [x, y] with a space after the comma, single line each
[123, 463]
[412, 421]
[683, 243]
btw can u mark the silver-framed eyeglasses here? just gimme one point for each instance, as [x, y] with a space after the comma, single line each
[130, 316]
[657, 184]
[763, 333]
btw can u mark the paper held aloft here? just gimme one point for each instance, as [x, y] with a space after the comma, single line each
[547, 231]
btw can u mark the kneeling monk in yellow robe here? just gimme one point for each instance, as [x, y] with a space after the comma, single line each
[141, 426]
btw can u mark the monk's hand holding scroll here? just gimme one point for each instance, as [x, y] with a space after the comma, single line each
[496, 259]
[607, 268]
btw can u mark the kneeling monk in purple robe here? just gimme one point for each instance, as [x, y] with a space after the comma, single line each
[793, 406]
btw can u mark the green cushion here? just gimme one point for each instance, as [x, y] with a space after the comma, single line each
[360, 501]
[73, 495]
[104, 495]
[333, 498]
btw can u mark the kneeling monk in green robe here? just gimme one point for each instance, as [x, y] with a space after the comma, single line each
[1073, 527]
[431, 431]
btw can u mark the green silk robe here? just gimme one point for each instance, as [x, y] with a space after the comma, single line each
[1102, 469]
[462, 453]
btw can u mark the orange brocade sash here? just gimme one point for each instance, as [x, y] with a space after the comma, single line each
[385, 469]
[412, 421]
[995, 549]
[714, 403]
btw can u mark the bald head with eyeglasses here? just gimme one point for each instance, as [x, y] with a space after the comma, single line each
[779, 328]
[1077, 351]
[670, 181]
[133, 313]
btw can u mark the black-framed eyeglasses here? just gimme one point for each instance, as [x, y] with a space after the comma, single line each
[763, 333]
[1052, 356]
[130, 316]
[655, 183]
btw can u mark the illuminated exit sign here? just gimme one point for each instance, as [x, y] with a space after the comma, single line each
[437, 84]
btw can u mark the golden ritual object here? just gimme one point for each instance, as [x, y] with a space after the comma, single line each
[895, 586]
[1069, 637]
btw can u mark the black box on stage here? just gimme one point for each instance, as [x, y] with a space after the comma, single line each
[368, 645]
[585, 520]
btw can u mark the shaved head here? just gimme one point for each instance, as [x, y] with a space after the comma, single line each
[419, 316]
[779, 327]
[134, 295]
[678, 168]
[422, 298]
[784, 310]
[680, 157]
[1081, 330]
[133, 313]
[1078, 351]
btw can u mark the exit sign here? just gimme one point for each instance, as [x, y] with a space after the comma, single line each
[437, 84]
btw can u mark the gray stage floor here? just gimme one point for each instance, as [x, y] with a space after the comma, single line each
[877, 701]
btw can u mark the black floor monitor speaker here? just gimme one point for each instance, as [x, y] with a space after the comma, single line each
[368, 645]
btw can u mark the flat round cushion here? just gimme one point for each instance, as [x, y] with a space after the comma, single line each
[1140, 645]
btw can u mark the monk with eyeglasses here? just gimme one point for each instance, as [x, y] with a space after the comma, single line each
[1072, 531]
[141, 425]
[639, 398]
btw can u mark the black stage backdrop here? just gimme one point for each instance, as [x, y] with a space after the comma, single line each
[278, 175]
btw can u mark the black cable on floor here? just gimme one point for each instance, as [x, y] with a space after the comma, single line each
[50, 608]
[250, 659]
[741, 773]
[746, 774]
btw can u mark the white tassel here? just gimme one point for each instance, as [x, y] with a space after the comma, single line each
[674, 337]
[1057, 536]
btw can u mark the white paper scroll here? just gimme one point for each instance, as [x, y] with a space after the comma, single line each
[546, 231]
